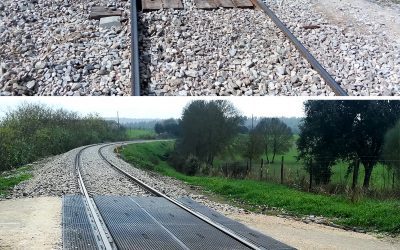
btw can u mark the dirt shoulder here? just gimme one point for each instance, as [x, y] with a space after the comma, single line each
[30, 223]
[363, 14]
[313, 236]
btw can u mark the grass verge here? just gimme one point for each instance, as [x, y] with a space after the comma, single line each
[369, 214]
[140, 134]
[11, 178]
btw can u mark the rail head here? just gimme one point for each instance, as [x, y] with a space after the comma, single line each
[135, 71]
[337, 89]
[83, 189]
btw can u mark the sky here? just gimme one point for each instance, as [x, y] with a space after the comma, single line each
[161, 107]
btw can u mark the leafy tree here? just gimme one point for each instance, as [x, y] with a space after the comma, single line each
[349, 130]
[170, 126]
[254, 147]
[158, 128]
[33, 131]
[277, 136]
[391, 149]
[207, 127]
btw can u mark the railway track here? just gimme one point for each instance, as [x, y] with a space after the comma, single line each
[100, 228]
[135, 71]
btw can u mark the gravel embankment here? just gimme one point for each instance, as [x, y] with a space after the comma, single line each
[55, 176]
[50, 47]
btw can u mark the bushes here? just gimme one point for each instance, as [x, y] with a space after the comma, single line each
[33, 131]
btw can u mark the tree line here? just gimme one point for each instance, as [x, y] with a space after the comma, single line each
[33, 131]
[208, 129]
[360, 133]
[349, 131]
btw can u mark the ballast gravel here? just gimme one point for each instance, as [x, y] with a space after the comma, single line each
[102, 179]
[53, 176]
[56, 176]
[358, 50]
[50, 47]
[221, 52]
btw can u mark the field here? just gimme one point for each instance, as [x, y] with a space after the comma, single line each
[369, 214]
[294, 171]
[9, 179]
[140, 134]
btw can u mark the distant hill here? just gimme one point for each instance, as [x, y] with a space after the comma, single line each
[136, 123]
[292, 122]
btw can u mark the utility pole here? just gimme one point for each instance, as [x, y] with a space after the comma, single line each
[118, 119]
[282, 170]
[252, 122]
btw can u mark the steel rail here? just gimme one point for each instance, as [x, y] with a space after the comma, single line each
[135, 73]
[306, 54]
[82, 187]
[177, 203]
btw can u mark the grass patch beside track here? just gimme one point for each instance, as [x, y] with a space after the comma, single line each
[140, 134]
[9, 179]
[369, 214]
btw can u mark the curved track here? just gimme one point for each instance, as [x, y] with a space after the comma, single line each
[105, 241]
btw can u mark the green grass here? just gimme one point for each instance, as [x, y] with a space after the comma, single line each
[294, 171]
[369, 214]
[140, 134]
[11, 178]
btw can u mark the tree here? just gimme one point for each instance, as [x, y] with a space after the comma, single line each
[254, 147]
[170, 126]
[391, 149]
[158, 128]
[32, 131]
[277, 136]
[348, 130]
[207, 127]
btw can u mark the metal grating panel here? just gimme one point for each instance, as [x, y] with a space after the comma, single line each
[192, 231]
[254, 236]
[131, 227]
[77, 231]
[155, 223]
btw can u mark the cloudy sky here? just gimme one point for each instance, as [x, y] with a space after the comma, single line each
[160, 107]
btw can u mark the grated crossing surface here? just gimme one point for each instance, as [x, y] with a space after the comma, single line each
[155, 223]
[252, 235]
[130, 226]
[77, 230]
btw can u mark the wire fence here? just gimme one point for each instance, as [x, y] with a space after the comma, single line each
[333, 176]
